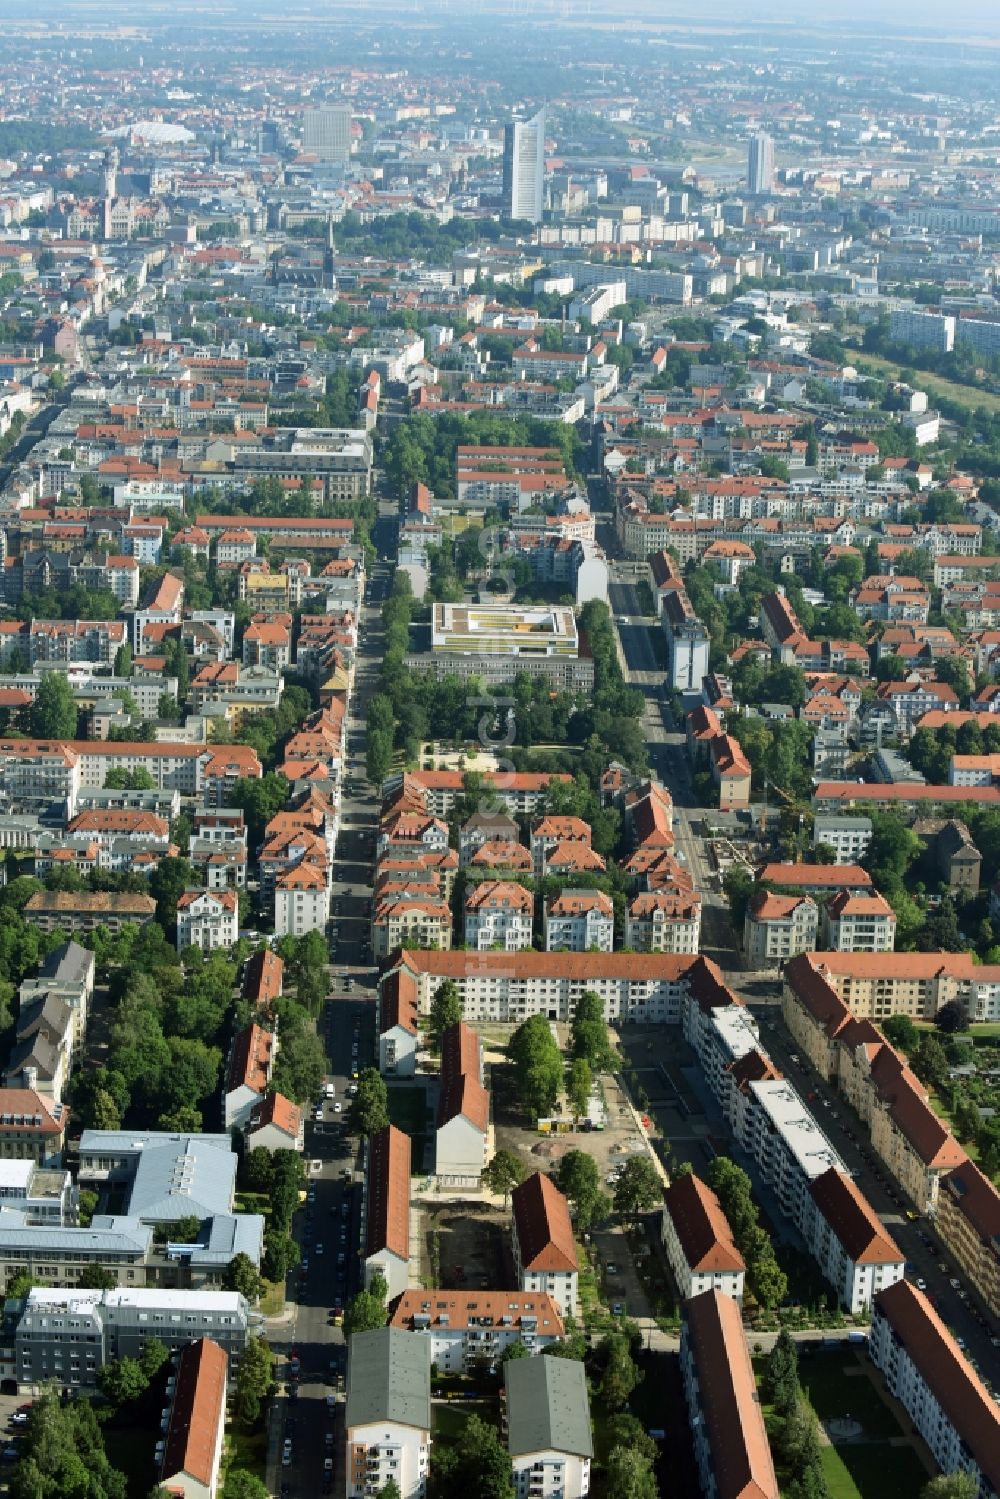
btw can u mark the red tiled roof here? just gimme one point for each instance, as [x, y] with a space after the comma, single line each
[853, 1219]
[542, 1222]
[701, 1226]
[389, 1193]
[197, 1413]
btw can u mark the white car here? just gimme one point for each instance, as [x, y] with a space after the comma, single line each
[338, 1108]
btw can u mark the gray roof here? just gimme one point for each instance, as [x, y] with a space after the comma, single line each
[547, 1406]
[33, 1051]
[44, 1011]
[183, 1179]
[68, 964]
[125, 1142]
[229, 1234]
[389, 1378]
[104, 1236]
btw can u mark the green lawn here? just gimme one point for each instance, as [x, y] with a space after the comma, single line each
[448, 1420]
[873, 1471]
[832, 1392]
[963, 395]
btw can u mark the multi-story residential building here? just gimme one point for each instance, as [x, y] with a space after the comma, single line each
[410, 920]
[387, 1207]
[398, 1030]
[387, 1420]
[275, 1123]
[777, 927]
[848, 1241]
[916, 1146]
[192, 1450]
[463, 1114]
[849, 837]
[858, 923]
[67, 973]
[545, 1256]
[248, 1072]
[968, 1224]
[484, 827]
[698, 1241]
[505, 988]
[337, 460]
[667, 921]
[208, 919]
[66, 1337]
[32, 1127]
[877, 985]
[579, 921]
[547, 1425]
[521, 793]
[922, 330]
[469, 1328]
[929, 1375]
[551, 833]
[41, 1194]
[86, 910]
[498, 913]
[815, 879]
[787, 1145]
[302, 899]
[730, 1442]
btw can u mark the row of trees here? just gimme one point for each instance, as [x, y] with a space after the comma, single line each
[765, 1278]
[792, 1426]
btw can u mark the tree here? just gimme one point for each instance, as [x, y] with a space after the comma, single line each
[780, 1378]
[504, 1172]
[53, 713]
[589, 1032]
[367, 1310]
[122, 1380]
[389, 1490]
[242, 1484]
[900, 1032]
[620, 1374]
[369, 1111]
[538, 1067]
[951, 1018]
[19, 1285]
[253, 1380]
[241, 1275]
[96, 1277]
[638, 1189]
[477, 1463]
[629, 1475]
[446, 1011]
[580, 1180]
[153, 1357]
[951, 1486]
[581, 1081]
[281, 1254]
[626, 1430]
[515, 1350]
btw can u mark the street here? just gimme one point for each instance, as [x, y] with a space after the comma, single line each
[307, 1415]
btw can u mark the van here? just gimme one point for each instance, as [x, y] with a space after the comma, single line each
[329, 1090]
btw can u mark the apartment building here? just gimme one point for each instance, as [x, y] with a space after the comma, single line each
[521, 793]
[546, 1415]
[398, 1030]
[67, 1336]
[926, 1371]
[302, 899]
[914, 1144]
[498, 914]
[579, 921]
[667, 921]
[848, 1241]
[968, 1222]
[86, 910]
[401, 920]
[551, 833]
[858, 923]
[777, 927]
[462, 1124]
[545, 1256]
[387, 1209]
[32, 1127]
[209, 919]
[877, 985]
[815, 879]
[724, 1412]
[506, 988]
[698, 1241]
[387, 1420]
[468, 1328]
[191, 1458]
[484, 827]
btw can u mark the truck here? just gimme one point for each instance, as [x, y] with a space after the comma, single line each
[329, 1090]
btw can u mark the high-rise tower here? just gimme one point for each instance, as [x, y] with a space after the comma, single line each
[524, 168]
[760, 165]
